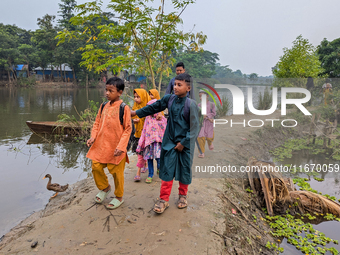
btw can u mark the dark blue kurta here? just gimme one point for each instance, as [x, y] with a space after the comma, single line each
[173, 163]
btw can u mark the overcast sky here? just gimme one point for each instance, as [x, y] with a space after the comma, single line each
[248, 35]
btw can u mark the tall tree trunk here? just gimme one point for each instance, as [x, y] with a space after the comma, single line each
[65, 74]
[87, 81]
[9, 76]
[51, 73]
[28, 69]
[152, 74]
[15, 75]
[43, 74]
[160, 83]
[74, 76]
[61, 73]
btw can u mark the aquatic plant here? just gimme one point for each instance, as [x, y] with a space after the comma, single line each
[85, 120]
[300, 234]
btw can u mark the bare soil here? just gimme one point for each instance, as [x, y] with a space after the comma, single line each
[72, 223]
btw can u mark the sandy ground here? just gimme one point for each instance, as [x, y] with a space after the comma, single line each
[73, 224]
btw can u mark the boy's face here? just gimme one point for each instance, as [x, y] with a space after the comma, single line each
[151, 96]
[180, 70]
[112, 94]
[181, 88]
[200, 95]
[137, 98]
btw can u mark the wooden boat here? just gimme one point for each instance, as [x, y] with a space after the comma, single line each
[54, 128]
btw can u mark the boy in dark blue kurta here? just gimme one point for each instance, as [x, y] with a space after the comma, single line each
[178, 142]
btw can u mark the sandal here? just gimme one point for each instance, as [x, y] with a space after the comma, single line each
[116, 203]
[137, 178]
[211, 147]
[101, 195]
[148, 180]
[201, 155]
[182, 202]
[143, 170]
[160, 208]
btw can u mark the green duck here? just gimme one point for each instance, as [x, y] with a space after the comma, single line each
[55, 186]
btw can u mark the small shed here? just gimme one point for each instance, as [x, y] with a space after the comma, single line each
[62, 71]
[21, 70]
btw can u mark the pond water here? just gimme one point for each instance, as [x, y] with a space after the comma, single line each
[25, 158]
[330, 186]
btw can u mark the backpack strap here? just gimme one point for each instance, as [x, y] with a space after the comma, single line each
[121, 113]
[102, 107]
[171, 100]
[186, 110]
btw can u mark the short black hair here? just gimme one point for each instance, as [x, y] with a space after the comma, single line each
[184, 77]
[117, 82]
[180, 64]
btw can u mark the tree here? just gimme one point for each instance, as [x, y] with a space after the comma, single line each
[10, 38]
[199, 64]
[298, 62]
[253, 76]
[143, 40]
[66, 12]
[44, 39]
[28, 54]
[329, 56]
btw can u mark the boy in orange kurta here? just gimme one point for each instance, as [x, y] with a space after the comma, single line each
[109, 140]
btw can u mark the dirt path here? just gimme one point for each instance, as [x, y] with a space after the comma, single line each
[72, 224]
[69, 225]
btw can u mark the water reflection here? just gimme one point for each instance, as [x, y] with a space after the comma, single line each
[20, 105]
[27, 158]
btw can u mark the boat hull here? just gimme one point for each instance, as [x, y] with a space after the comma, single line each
[54, 128]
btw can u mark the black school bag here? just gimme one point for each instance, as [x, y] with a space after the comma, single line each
[121, 118]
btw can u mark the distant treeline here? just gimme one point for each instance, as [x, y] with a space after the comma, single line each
[39, 48]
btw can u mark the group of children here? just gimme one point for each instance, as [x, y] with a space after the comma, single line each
[171, 142]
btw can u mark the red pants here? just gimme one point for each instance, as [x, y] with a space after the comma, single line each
[166, 189]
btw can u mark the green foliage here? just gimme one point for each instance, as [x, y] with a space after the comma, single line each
[265, 101]
[143, 40]
[26, 81]
[328, 53]
[300, 234]
[226, 75]
[11, 37]
[253, 76]
[298, 62]
[223, 109]
[85, 119]
[249, 190]
[199, 64]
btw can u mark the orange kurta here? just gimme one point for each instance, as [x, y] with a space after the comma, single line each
[110, 135]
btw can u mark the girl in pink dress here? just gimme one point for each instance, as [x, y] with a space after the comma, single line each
[150, 142]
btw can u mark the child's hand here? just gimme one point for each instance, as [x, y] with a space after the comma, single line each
[159, 116]
[133, 113]
[90, 142]
[136, 120]
[179, 147]
[211, 120]
[117, 153]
